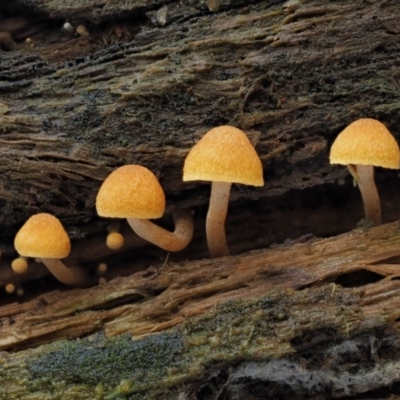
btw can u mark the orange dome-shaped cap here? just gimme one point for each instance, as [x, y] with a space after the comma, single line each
[131, 191]
[42, 236]
[224, 154]
[366, 142]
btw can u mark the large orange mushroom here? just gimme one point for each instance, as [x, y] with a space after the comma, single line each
[224, 155]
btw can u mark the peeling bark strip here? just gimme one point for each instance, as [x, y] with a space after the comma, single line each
[297, 72]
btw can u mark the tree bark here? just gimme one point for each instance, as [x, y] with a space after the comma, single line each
[291, 73]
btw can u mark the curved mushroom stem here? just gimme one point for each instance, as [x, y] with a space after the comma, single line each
[369, 193]
[74, 276]
[170, 241]
[215, 222]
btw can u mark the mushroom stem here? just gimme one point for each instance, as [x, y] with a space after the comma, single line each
[353, 172]
[369, 193]
[74, 276]
[170, 241]
[215, 222]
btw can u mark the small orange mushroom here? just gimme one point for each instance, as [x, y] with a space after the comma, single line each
[43, 237]
[133, 192]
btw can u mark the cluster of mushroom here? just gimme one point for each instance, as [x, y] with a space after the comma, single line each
[223, 156]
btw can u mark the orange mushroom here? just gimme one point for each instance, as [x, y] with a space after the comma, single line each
[363, 144]
[133, 192]
[224, 155]
[43, 237]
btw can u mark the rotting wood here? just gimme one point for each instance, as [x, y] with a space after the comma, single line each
[160, 298]
[292, 74]
[236, 347]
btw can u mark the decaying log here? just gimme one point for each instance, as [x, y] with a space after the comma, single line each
[154, 333]
[142, 87]
[280, 339]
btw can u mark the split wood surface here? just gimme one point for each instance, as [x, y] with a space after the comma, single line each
[160, 298]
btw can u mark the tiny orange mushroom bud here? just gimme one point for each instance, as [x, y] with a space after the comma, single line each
[19, 265]
[81, 30]
[102, 269]
[115, 240]
[9, 288]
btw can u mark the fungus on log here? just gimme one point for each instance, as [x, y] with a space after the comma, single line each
[142, 88]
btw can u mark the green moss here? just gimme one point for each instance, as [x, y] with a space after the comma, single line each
[154, 366]
[114, 362]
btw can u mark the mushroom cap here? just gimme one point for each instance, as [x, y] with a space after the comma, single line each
[366, 142]
[224, 154]
[131, 191]
[42, 236]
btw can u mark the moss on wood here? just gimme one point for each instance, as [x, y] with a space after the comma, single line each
[264, 329]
